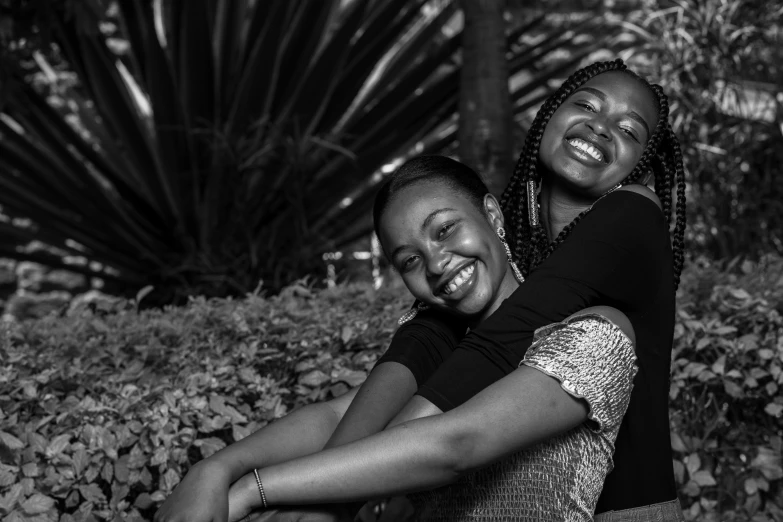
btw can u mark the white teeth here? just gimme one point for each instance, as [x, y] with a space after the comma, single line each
[586, 147]
[459, 279]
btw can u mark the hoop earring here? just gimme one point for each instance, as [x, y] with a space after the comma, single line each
[501, 232]
[410, 314]
[532, 203]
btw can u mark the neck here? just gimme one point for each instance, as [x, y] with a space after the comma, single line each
[559, 207]
[507, 287]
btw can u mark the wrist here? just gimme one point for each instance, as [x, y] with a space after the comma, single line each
[214, 469]
[248, 489]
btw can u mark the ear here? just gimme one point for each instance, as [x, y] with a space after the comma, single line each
[493, 212]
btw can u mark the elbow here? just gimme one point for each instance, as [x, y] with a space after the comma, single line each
[460, 449]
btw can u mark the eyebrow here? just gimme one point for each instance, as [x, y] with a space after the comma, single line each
[631, 114]
[432, 215]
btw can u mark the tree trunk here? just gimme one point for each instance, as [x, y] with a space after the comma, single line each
[486, 119]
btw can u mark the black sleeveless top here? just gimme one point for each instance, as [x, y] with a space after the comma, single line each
[619, 255]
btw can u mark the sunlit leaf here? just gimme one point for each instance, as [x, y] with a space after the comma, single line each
[703, 478]
[11, 441]
[768, 462]
[209, 446]
[37, 504]
[774, 409]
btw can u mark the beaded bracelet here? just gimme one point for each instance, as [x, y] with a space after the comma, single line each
[260, 488]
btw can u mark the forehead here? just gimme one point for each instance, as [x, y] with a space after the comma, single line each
[409, 207]
[625, 90]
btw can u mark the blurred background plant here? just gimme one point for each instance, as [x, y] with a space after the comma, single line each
[720, 63]
[202, 147]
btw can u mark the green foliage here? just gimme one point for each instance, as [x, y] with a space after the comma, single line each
[719, 62]
[103, 411]
[726, 404]
[202, 146]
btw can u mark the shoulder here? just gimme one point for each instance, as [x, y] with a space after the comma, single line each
[642, 190]
[613, 315]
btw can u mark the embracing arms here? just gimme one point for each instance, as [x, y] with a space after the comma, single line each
[427, 452]
[518, 411]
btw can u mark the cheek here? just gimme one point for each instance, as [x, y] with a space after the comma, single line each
[470, 243]
[415, 284]
[550, 142]
[631, 156]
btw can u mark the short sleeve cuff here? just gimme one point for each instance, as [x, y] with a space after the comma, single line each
[593, 360]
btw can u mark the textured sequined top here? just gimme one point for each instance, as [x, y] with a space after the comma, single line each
[560, 479]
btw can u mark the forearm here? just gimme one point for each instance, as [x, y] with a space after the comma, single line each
[382, 396]
[413, 456]
[516, 412]
[299, 433]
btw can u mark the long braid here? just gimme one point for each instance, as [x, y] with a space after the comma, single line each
[663, 179]
[678, 241]
[513, 208]
[662, 157]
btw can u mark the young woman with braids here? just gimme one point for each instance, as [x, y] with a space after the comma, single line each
[616, 255]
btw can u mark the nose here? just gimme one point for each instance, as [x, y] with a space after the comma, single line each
[437, 261]
[599, 126]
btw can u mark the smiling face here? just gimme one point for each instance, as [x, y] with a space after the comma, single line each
[596, 137]
[446, 249]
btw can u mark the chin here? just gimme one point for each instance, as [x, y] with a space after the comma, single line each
[472, 310]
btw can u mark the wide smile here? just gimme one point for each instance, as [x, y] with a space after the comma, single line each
[589, 152]
[459, 283]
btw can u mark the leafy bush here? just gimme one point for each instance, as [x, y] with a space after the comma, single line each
[719, 62]
[726, 405]
[102, 412]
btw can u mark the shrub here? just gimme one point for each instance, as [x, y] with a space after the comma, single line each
[726, 406]
[102, 412]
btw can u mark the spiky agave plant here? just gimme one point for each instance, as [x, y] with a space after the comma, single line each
[227, 142]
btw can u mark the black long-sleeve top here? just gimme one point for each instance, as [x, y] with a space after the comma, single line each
[618, 255]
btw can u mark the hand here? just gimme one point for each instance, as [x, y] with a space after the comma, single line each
[202, 496]
[303, 514]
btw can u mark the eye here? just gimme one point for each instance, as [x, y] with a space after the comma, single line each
[631, 133]
[585, 105]
[408, 263]
[445, 230]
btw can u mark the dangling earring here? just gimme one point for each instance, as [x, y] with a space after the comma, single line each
[410, 314]
[532, 203]
[501, 232]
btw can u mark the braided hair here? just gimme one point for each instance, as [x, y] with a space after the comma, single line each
[662, 157]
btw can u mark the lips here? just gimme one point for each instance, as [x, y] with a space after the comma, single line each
[589, 145]
[455, 279]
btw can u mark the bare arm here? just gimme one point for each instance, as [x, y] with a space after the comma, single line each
[299, 433]
[388, 388]
[360, 412]
[353, 415]
[428, 452]
[435, 450]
